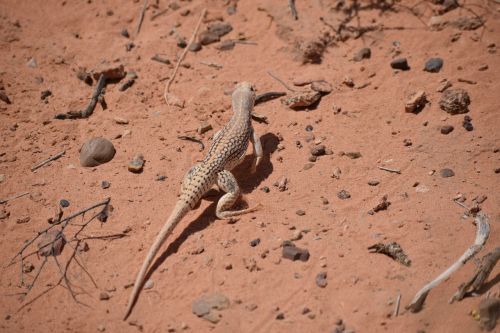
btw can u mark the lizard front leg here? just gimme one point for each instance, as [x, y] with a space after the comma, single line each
[228, 184]
[257, 150]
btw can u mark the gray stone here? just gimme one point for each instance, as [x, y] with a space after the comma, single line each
[294, 253]
[208, 37]
[446, 173]
[220, 28]
[321, 280]
[447, 129]
[343, 195]
[400, 63]
[433, 65]
[455, 101]
[96, 151]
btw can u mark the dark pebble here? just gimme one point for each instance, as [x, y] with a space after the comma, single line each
[226, 45]
[309, 128]
[446, 129]
[445, 173]
[45, 94]
[343, 195]
[364, 53]
[104, 296]
[255, 242]
[400, 63]
[373, 182]
[433, 65]
[105, 184]
[64, 203]
[280, 316]
[125, 33]
[318, 150]
[208, 37]
[321, 280]
[181, 42]
[220, 28]
[265, 189]
[467, 123]
[129, 46]
[160, 178]
[300, 212]
[194, 47]
[294, 253]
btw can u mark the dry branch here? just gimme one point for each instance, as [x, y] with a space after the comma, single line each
[2, 201]
[475, 283]
[141, 17]
[482, 233]
[90, 107]
[50, 159]
[183, 55]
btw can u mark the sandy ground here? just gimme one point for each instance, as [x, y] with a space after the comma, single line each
[362, 288]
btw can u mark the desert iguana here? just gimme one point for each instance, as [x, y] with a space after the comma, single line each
[228, 148]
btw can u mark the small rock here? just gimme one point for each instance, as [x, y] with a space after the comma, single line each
[446, 173]
[4, 98]
[300, 212]
[96, 151]
[204, 304]
[208, 37]
[45, 94]
[125, 33]
[416, 102]
[318, 150]
[301, 99]
[149, 284]
[336, 173]
[297, 235]
[51, 243]
[401, 64]
[194, 47]
[305, 310]
[443, 86]
[32, 63]
[433, 65]
[455, 101]
[204, 127]
[348, 81]
[228, 266]
[265, 189]
[101, 328]
[21, 220]
[467, 123]
[294, 253]
[160, 178]
[353, 154]
[84, 76]
[310, 51]
[373, 182]
[321, 86]
[280, 316]
[483, 68]
[407, 142]
[181, 42]
[220, 28]
[343, 195]
[137, 164]
[446, 129]
[255, 242]
[64, 203]
[226, 45]
[104, 296]
[105, 184]
[321, 280]
[110, 73]
[2, 178]
[83, 247]
[364, 53]
[28, 267]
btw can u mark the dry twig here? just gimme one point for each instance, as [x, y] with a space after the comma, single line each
[96, 95]
[482, 233]
[268, 96]
[2, 201]
[271, 74]
[390, 170]
[183, 55]
[50, 159]
[141, 17]
[293, 10]
[192, 139]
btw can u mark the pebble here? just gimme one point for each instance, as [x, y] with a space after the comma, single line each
[149, 284]
[318, 150]
[416, 102]
[321, 280]
[483, 68]
[400, 63]
[44, 94]
[294, 253]
[203, 306]
[125, 33]
[195, 47]
[364, 53]
[207, 37]
[373, 182]
[343, 195]
[226, 45]
[443, 86]
[104, 296]
[446, 173]
[255, 242]
[101, 328]
[455, 101]
[64, 203]
[96, 151]
[105, 184]
[220, 28]
[32, 63]
[4, 98]
[433, 65]
[120, 121]
[467, 123]
[137, 164]
[112, 73]
[321, 86]
[353, 154]
[2, 178]
[297, 235]
[160, 178]
[300, 212]
[446, 129]
[22, 220]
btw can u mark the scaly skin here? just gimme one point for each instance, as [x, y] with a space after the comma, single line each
[228, 148]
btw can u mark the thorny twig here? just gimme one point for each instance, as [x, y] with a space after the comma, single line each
[63, 268]
[183, 55]
[50, 159]
[482, 233]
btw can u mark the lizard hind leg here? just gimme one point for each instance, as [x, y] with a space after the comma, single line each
[228, 184]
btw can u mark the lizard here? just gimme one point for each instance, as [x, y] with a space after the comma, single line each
[226, 151]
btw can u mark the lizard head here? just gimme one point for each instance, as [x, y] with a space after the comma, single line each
[245, 86]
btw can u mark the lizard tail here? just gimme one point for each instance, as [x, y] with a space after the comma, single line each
[178, 213]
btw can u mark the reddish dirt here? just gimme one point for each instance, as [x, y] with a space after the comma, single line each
[362, 287]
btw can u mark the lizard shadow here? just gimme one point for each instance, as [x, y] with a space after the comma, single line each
[247, 182]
